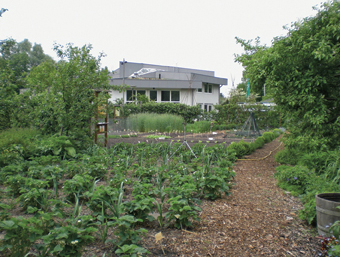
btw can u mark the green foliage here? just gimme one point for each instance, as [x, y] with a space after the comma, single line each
[301, 71]
[35, 197]
[268, 136]
[70, 238]
[63, 93]
[125, 232]
[157, 136]
[231, 114]
[241, 148]
[288, 156]
[20, 236]
[259, 142]
[202, 126]
[318, 186]
[181, 212]
[331, 245]
[77, 186]
[189, 113]
[100, 197]
[294, 179]
[58, 146]
[140, 207]
[131, 250]
[16, 145]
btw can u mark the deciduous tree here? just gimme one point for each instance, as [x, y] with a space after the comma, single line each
[302, 71]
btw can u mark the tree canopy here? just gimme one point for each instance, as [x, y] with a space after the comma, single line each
[62, 93]
[302, 72]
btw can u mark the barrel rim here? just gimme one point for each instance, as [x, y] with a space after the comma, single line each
[322, 195]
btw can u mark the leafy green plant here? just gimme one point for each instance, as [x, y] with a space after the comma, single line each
[103, 225]
[20, 236]
[4, 211]
[213, 185]
[161, 195]
[125, 232]
[35, 197]
[131, 250]
[58, 146]
[115, 204]
[259, 142]
[70, 238]
[144, 189]
[181, 212]
[140, 207]
[78, 185]
[101, 194]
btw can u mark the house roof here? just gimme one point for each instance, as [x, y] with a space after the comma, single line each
[159, 76]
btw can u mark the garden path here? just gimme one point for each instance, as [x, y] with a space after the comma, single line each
[258, 219]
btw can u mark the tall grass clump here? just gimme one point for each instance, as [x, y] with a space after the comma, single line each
[202, 126]
[146, 122]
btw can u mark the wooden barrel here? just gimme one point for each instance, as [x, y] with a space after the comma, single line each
[326, 211]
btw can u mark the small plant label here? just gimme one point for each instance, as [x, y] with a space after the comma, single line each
[159, 236]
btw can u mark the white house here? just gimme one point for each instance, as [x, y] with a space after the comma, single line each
[167, 84]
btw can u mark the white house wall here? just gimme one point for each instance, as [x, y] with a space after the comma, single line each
[187, 96]
[114, 95]
[208, 98]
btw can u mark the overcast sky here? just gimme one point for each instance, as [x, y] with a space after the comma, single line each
[196, 34]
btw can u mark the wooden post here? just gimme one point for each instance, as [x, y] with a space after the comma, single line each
[101, 127]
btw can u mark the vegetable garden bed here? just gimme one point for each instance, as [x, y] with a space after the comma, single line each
[133, 187]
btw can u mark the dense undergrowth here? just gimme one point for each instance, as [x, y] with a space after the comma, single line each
[307, 173]
[53, 180]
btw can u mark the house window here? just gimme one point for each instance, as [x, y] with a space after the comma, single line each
[170, 96]
[153, 95]
[207, 107]
[131, 94]
[207, 88]
[174, 96]
[140, 92]
[165, 96]
[199, 90]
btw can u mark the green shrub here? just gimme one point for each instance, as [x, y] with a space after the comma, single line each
[230, 126]
[294, 179]
[277, 132]
[241, 148]
[317, 160]
[259, 142]
[287, 156]
[268, 136]
[248, 149]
